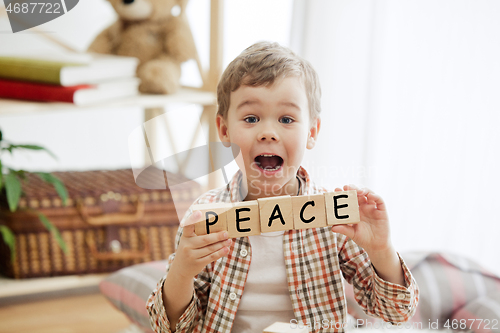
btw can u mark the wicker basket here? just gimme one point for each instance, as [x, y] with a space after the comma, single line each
[108, 223]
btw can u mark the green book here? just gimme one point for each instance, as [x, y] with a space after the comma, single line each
[33, 70]
[99, 68]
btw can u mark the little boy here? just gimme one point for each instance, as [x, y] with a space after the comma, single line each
[269, 105]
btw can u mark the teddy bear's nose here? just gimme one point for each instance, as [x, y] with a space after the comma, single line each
[128, 2]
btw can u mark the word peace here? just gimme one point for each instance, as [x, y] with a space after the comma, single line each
[254, 217]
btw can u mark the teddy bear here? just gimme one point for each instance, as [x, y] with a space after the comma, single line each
[157, 33]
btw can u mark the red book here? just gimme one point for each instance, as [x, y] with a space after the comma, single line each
[79, 95]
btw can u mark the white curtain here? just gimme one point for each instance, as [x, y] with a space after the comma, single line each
[411, 109]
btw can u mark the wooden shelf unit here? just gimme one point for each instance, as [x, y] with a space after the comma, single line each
[20, 291]
[185, 95]
[154, 104]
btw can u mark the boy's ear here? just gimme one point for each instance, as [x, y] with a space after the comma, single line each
[313, 133]
[223, 130]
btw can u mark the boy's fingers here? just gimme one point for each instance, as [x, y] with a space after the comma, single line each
[359, 191]
[377, 199]
[188, 231]
[350, 187]
[215, 255]
[192, 219]
[344, 229]
[205, 240]
[207, 250]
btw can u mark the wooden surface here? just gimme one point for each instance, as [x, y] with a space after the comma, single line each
[217, 214]
[76, 314]
[19, 288]
[276, 210]
[346, 207]
[216, 43]
[311, 208]
[249, 220]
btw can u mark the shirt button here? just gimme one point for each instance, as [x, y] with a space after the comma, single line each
[232, 296]
[299, 294]
[401, 296]
[243, 253]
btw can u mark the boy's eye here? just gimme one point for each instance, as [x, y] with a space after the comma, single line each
[286, 120]
[251, 119]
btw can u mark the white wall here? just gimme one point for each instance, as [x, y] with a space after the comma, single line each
[411, 95]
[435, 99]
[337, 41]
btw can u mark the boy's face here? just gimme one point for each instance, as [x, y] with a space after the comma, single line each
[272, 127]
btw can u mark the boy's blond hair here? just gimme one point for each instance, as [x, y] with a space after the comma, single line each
[263, 63]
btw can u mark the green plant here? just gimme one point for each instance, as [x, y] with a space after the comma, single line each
[11, 188]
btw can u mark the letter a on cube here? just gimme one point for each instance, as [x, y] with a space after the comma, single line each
[342, 207]
[276, 213]
[243, 219]
[213, 218]
[309, 211]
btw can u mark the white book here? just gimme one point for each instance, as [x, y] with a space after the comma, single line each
[102, 67]
[107, 91]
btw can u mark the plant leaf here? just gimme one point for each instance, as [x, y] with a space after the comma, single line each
[21, 174]
[13, 189]
[30, 147]
[56, 182]
[9, 148]
[1, 176]
[54, 231]
[10, 240]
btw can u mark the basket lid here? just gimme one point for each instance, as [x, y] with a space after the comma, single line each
[91, 186]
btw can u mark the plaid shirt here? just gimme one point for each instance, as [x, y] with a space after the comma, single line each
[315, 261]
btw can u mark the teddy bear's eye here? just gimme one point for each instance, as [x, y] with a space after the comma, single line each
[176, 10]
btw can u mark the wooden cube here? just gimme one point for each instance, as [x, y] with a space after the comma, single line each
[309, 211]
[243, 219]
[342, 207]
[276, 213]
[213, 218]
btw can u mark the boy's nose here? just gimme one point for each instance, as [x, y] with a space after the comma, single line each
[268, 136]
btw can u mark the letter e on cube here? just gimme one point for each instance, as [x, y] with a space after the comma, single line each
[243, 219]
[342, 207]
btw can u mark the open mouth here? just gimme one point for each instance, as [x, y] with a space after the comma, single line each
[269, 162]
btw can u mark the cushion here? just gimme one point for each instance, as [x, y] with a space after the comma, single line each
[128, 290]
[447, 283]
[481, 315]
[451, 287]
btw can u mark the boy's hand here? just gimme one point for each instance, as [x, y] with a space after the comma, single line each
[195, 252]
[372, 233]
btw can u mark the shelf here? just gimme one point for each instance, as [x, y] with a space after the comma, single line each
[39, 288]
[185, 95]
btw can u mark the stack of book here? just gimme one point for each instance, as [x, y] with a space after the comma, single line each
[81, 79]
